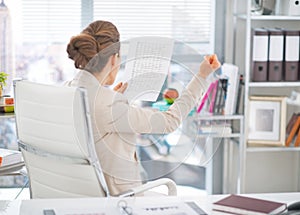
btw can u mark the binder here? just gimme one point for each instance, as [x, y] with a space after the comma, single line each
[259, 54]
[275, 67]
[294, 8]
[291, 55]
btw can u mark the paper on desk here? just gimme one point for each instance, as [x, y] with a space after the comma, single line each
[69, 206]
[147, 66]
[181, 208]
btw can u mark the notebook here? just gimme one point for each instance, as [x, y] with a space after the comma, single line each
[237, 204]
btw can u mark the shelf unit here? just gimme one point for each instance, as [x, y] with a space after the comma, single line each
[232, 175]
[264, 169]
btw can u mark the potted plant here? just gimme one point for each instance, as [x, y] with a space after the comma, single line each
[3, 78]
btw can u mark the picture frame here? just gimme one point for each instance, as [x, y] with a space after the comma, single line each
[267, 121]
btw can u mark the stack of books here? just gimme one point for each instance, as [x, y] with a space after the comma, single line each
[10, 161]
[9, 157]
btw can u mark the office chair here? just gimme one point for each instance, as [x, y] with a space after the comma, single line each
[55, 136]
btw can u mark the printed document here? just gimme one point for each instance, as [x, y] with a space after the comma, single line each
[147, 66]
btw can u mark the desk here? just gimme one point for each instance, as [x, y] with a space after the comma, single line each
[35, 207]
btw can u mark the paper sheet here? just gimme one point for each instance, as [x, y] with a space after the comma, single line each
[182, 208]
[147, 66]
[112, 205]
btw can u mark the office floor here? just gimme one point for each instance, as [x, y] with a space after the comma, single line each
[16, 193]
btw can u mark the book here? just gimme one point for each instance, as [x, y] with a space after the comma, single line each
[297, 141]
[213, 96]
[293, 132]
[231, 73]
[238, 204]
[223, 96]
[217, 97]
[291, 122]
[240, 96]
[9, 157]
[205, 97]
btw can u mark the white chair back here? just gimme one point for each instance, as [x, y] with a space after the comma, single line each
[55, 137]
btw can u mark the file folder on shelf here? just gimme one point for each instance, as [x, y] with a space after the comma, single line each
[275, 67]
[291, 55]
[260, 54]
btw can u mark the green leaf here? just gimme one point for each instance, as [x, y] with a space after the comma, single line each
[3, 78]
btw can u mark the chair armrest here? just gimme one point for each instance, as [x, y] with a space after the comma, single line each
[172, 190]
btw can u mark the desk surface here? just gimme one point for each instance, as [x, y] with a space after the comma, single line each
[107, 205]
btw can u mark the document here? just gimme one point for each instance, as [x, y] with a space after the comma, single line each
[180, 208]
[147, 66]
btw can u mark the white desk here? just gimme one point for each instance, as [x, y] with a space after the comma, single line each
[109, 205]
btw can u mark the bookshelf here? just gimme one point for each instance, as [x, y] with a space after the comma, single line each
[266, 169]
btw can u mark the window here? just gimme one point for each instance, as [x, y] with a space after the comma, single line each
[184, 20]
[41, 29]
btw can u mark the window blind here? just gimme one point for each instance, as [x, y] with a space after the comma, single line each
[184, 20]
[50, 21]
[55, 20]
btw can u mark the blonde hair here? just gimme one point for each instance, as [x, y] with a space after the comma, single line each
[97, 37]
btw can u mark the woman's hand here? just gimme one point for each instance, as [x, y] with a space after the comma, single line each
[121, 87]
[209, 65]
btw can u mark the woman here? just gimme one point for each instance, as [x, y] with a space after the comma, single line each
[115, 122]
